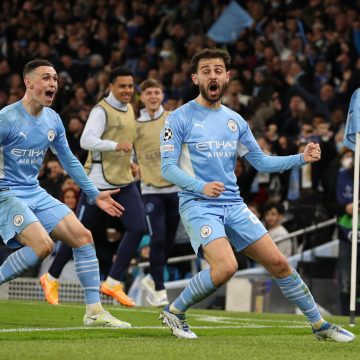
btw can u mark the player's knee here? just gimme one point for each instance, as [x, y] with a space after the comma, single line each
[230, 269]
[280, 267]
[44, 248]
[85, 237]
[222, 273]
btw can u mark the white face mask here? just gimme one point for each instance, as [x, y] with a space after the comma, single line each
[347, 163]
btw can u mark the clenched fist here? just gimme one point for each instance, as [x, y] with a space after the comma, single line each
[213, 189]
[312, 153]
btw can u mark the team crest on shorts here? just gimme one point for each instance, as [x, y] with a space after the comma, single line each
[232, 125]
[18, 220]
[51, 134]
[168, 134]
[205, 231]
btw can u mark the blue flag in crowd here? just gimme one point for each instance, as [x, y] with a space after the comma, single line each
[228, 27]
[353, 121]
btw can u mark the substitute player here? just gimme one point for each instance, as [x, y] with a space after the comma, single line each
[160, 197]
[27, 212]
[109, 135]
[200, 143]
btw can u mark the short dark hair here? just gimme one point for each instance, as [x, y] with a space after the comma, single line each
[148, 83]
[34, 64]
[213, 53]
[119, 71]
[274, 205]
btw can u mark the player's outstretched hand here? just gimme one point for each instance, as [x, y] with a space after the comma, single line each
[213, 189]
[105, 202]
[312, 153]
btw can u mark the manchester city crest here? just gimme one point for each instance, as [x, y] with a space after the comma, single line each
[232, 125]
[205, 231]
[18, 220]
[51, 134]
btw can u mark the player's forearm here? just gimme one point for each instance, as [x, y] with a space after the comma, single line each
[93, 143]
[94, 130]
[172, 173]
[267, 163]
[74, 168]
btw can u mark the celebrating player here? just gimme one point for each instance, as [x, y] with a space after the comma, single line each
[28, 213]
[200, 143]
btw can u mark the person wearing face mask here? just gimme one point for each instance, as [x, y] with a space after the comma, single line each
[344, 197]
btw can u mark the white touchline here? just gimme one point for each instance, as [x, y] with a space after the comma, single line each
[247, 326]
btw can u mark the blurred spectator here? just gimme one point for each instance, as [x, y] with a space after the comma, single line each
[73, 134]
[273, 217]
[70, 197]
[54, 178]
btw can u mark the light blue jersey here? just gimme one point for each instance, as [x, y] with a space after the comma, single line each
[200, 145]
[24, 141]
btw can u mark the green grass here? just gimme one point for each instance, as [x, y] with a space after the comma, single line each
[36, 330]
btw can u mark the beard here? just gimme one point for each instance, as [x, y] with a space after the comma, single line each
[211, 99]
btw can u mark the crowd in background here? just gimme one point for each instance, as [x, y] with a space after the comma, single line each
[292, 76]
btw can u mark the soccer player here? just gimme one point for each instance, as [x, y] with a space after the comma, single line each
[109, 135]
[199, 146]
[28, 213]
[160, 197]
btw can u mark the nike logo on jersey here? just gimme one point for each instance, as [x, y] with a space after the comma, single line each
[23, 135]
[200, 125]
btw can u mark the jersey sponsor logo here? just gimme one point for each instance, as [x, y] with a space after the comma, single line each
[217, 148]
[29, 152]
[232, 125]
[29, 156]
[168, 147]
[200, 124]
[51, 134]
[18, 220]
[24, 135]
[168, 134]
[205, 231]
[216, 145]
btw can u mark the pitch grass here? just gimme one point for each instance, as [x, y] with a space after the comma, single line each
[36, 330]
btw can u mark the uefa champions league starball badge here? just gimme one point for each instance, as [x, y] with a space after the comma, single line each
[167, 134]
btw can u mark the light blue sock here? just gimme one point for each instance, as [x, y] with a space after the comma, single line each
[295, 290]
[199, 287]
[17, 262]
[87, 270]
